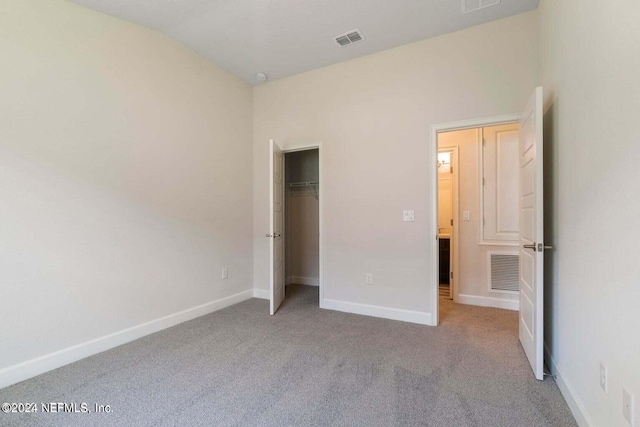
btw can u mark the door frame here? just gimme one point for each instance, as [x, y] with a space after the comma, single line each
[293, 147]
[433, 220]
[455, 207]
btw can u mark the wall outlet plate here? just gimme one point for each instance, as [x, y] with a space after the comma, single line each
[368, 278]
[225, 273]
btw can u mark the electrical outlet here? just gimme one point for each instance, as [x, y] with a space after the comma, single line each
[368, 278]
[603, 377]
[627, 405]
[225, 273]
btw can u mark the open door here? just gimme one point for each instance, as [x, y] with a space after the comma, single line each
[532, 234]
[276, 225]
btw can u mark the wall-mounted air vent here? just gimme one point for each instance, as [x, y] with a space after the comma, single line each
[473, 5]
[504, 272]
[349, 38]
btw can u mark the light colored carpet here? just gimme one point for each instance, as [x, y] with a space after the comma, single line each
[307, 367]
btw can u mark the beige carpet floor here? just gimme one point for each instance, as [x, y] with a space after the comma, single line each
[306, 367]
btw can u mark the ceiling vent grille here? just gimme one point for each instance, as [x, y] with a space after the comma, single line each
[348, 38]
[473, 5]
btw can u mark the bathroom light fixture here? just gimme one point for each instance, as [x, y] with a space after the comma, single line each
[444, 159]
[261, 77]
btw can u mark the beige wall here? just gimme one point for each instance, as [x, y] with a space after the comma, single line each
[125, 178]
[373, 117]
[590, 67]
[473, 282]
[302, 238]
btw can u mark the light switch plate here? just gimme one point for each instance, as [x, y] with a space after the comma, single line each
[408, 216]
[467, 215]
[225, 273]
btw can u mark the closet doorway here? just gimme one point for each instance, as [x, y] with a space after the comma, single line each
[302, 223]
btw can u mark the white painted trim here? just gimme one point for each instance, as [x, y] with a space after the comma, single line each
[506, 304]
[476, 123]
[261, 293]
[39, 365]
[300, 280]
[289, 148]
[432, 236]
[576, 406]
[433, 172]
[498, 243]
[378, 311]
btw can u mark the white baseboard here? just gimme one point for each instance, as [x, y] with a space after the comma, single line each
[39, 365]
[489, 302]
[378, 311]
[568, 392]
[261, 293]
[300, 280]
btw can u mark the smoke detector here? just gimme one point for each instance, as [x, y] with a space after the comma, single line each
[261, 77]
[349, 37]
[474, 5]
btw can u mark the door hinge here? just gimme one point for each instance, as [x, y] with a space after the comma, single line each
[452, 223]
[451, 274]
[484, 141]
[483, 221]
[451, 169]
[484, 181]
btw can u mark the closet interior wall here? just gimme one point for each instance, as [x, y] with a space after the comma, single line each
[301, 217]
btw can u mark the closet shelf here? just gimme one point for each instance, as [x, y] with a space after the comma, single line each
[303, 184]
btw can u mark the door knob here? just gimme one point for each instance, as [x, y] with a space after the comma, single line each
[274, 235]
[539, 247]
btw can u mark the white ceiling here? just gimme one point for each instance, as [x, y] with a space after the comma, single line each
[286, 37]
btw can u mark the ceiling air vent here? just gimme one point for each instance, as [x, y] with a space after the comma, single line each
[348, 38]
[473, 5]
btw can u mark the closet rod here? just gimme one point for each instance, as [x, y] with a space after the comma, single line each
[303, 184]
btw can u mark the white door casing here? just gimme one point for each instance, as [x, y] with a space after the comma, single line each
[531, 231]
[276, 226]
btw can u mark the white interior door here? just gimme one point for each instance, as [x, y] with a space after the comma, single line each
[532, 234]
[276, 225]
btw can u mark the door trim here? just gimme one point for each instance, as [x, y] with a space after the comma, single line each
[433, 201]
[290, 148]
